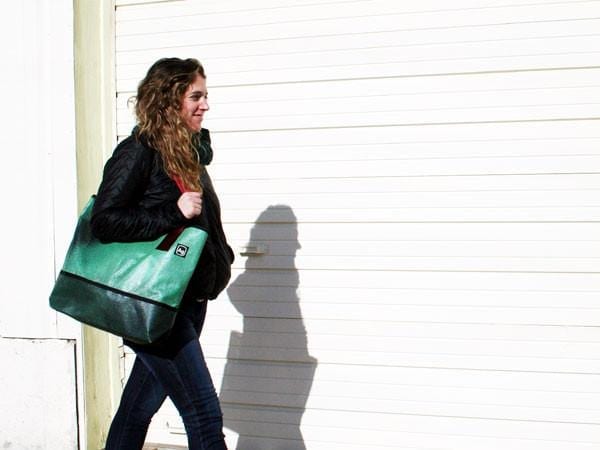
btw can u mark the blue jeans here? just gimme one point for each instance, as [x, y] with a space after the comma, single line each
[181, 374]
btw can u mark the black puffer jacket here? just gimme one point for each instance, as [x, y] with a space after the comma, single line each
[137, 201]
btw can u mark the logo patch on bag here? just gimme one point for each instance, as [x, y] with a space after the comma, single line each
[181, 250]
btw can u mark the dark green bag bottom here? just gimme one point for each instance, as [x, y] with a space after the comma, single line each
[123, 314]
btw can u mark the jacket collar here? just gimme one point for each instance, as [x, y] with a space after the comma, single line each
[200, 141]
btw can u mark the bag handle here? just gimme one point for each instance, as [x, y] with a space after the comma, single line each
[172, 236]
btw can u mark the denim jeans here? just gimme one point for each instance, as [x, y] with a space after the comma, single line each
[184, 377]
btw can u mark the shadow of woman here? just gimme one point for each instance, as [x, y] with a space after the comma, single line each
[269, 373]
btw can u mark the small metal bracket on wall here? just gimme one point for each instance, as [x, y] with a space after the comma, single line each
[253, 250]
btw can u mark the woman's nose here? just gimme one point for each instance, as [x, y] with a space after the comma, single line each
[204, 104]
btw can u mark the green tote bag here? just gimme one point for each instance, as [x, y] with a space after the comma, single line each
[130, 289]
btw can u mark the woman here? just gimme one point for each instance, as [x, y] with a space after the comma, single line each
[139, 199]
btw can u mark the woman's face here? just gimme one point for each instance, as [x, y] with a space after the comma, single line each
[194, 104]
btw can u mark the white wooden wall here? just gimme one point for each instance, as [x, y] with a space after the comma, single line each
[423, 178]
[38, 193]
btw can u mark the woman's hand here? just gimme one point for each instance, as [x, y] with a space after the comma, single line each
[190, 204]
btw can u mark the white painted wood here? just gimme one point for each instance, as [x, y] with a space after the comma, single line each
[39, 401]
[40, 166]
[423, 178]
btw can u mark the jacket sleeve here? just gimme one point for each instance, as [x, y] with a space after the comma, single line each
[118, 215]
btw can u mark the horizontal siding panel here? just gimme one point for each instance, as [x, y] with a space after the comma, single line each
[554, 84]
[442, 249]
[241, 290]
[408, 359]
[497, 215]
[473, 345]
[354, 418]
[563, 183]
[391, 168]
[405, 143]
[252, 341]
[405, 115]
[356, 232]
[561, 332]
[418, 376]
[500, 281]
[530, 198]
[434, 104]
[399, 443]
[459, 435]
[490, 406]
[423, 314]
[193, 11]
[422, 263]
[431, 134]
[165, 17]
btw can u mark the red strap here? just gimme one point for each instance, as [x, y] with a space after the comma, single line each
[179, 182]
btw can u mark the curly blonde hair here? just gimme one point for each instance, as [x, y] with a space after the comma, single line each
[157, 108]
